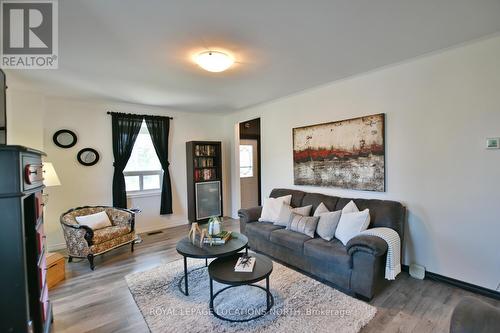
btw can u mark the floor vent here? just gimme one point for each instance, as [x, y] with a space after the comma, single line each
[154, 232]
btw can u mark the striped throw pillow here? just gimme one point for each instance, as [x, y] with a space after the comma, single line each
[304, 224]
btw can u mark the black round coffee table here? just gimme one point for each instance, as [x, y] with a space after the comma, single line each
[187, 249]
[222, 271]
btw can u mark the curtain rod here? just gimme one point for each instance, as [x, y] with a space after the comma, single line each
[142, 115]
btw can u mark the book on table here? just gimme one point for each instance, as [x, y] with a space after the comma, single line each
[245, 264]
[219, 239]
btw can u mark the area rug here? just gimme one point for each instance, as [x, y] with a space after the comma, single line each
[301, 304]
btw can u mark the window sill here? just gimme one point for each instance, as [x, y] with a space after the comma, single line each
[143, 194]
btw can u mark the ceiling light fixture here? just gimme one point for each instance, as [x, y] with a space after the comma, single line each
[214, 61]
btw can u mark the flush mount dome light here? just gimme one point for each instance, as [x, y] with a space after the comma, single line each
[214, 61]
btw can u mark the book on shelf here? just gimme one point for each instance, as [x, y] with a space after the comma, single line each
[204, 150]
[205, 174]
[204, 162]
[245, 264]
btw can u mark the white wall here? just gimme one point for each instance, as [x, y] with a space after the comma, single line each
[439, 111]
[33, 119]
[439, 108]
[93, 185]
[24, 116]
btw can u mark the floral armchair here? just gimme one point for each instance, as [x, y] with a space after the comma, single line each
[83, 242]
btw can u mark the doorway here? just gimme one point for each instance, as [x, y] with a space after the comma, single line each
[250, 184]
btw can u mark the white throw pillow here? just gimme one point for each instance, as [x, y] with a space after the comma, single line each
[95, 221]
[272, 208]
[350, 208]
[351, 224]
[320, 210]
[287, 211]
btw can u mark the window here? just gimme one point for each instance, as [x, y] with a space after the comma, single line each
[143, 172]
[246, 161]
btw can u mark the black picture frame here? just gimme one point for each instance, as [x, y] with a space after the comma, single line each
[79, 156]
[55, 138]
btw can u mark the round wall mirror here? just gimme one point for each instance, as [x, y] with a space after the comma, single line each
[64, 138]
[88, 156]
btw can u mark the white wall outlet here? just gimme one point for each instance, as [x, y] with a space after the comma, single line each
[417, 271]
[493, 143]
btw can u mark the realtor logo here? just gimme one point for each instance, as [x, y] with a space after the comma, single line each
[29, 34]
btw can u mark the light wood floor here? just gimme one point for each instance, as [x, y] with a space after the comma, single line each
[99, 301]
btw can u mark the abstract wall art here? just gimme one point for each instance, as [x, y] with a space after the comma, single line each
[346, 153]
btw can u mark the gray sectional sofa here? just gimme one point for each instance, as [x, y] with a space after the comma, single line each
[357, 268]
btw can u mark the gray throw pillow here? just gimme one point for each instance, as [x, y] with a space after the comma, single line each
[287, 211]
[327, 224]
[320, 210]
[304, 224]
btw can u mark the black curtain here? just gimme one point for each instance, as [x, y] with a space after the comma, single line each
[125, 128]
[158, 128]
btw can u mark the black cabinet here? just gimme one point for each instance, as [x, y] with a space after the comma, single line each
[3, 111]
[24, 302]
[204, 179]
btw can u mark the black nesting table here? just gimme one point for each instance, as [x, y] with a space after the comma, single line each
[222, 271]
[187, 249]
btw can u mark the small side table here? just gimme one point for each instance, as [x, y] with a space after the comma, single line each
[187, 249]
[56, 269]
[222, 271]
[138, 238]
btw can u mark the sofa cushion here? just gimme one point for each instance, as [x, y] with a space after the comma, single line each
[120, 240]
[321, 209]
[272, 208]
[304, 224]
[94, 221]
[327, 224]
[261, 229]
[351, 224]
[328, 251]
[287, 211]
[383, 213]
[350, 208]
[289, 239]
[109, 233]
[296, 195]
[315, 199]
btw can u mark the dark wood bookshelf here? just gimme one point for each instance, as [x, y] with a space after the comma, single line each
[204, 179]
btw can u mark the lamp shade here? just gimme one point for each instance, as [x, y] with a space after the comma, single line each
[214, 61]
[49, 175]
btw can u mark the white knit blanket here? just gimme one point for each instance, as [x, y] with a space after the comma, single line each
[391, 237]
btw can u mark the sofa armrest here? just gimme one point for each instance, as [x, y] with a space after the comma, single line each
[370, 244]
[78, 239]
[122, 217]
[249, 215]
[473, 315]
[368, 264]
[88, 235]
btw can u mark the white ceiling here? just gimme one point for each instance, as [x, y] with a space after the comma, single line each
[139, 51]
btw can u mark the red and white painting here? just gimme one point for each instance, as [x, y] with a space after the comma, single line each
[347, 153]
